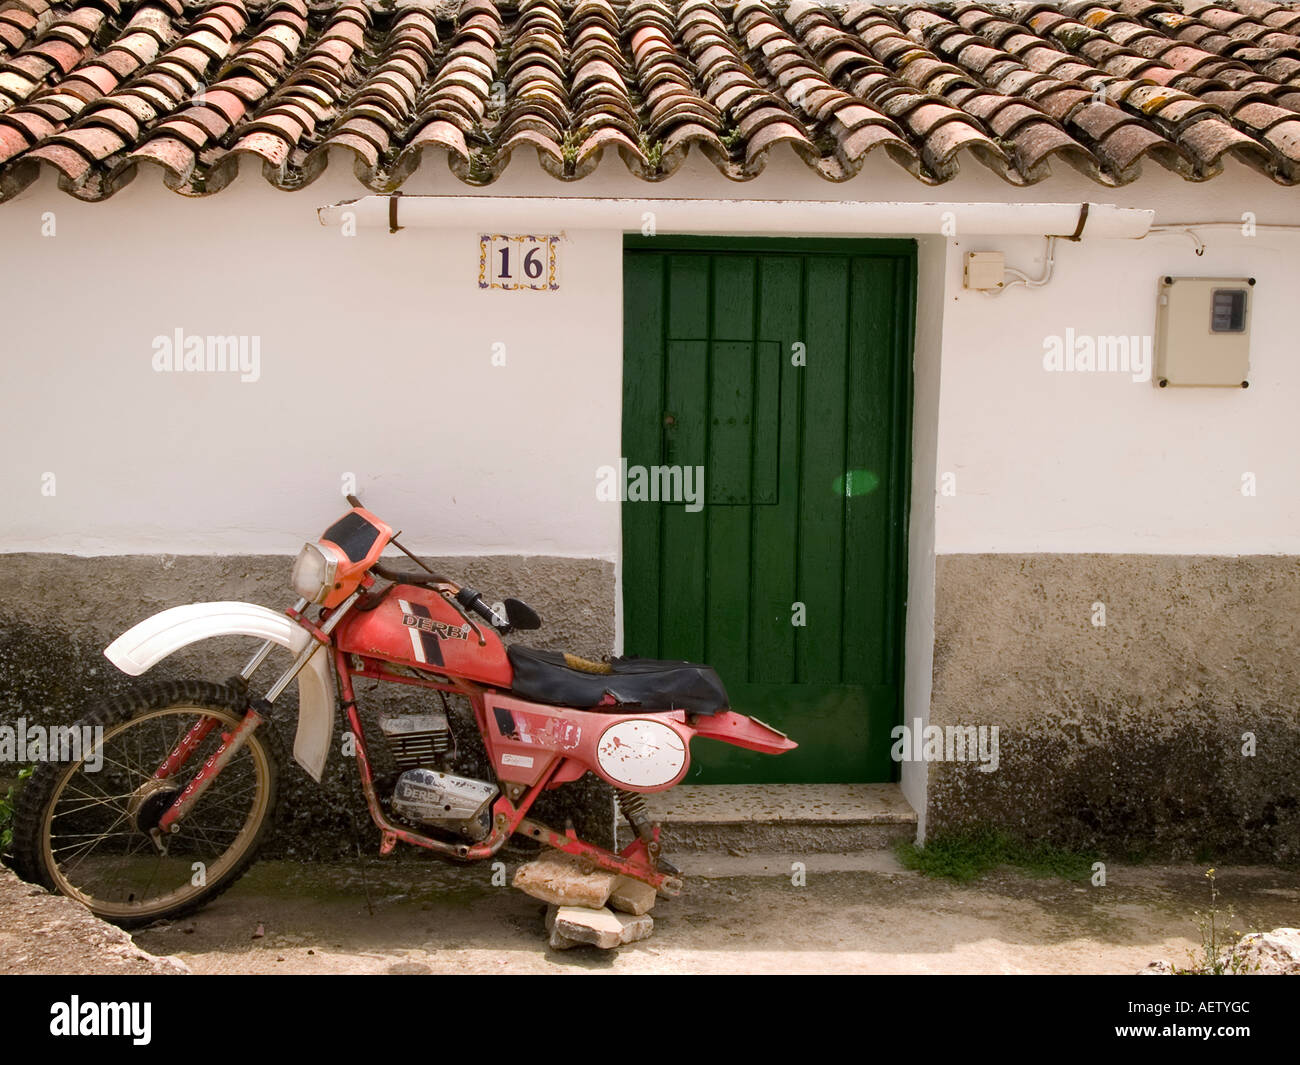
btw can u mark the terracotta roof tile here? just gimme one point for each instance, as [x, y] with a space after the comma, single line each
[96, 89]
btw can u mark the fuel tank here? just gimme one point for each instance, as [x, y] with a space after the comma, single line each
[418, 627]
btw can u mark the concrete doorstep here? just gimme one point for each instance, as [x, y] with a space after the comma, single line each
[745, 819]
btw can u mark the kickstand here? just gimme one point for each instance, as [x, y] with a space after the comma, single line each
[356, 842]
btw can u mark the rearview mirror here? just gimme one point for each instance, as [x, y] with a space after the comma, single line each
[521, 615]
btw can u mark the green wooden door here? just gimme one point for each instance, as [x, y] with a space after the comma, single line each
[783, 369]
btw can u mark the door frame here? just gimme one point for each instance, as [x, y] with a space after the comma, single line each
[902, 402]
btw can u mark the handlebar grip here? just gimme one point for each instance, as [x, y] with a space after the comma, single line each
[471, 600]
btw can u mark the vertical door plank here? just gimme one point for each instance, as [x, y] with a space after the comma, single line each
[776, 527]
[683, 551]
[821, 512]
[869, 599]
[731, 407]
[644, 304]
[731, 428]
[733, 297]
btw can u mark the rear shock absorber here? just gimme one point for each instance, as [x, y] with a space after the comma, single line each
[632, 805]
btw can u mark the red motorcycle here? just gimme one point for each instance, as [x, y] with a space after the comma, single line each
[186, 788]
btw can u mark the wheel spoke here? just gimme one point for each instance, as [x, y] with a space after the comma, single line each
[95, 839]
[97, 829]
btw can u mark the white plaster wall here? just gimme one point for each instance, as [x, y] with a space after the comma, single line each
[1096, 462]
[376, 360]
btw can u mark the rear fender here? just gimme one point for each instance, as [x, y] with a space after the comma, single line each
[741, 731]
[141, 647]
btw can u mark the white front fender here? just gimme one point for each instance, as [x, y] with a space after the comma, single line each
[141, 647]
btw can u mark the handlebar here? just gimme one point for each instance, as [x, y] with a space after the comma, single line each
[466, 597]
[407, 577]
[471, 600]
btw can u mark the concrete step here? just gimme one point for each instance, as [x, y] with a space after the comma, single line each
[740, 819]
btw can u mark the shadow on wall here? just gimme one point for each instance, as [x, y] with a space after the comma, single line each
[1133, 794]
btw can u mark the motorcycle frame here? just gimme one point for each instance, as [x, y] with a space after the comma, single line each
[634, 860]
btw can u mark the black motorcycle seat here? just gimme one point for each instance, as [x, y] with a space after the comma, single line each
[644, 683]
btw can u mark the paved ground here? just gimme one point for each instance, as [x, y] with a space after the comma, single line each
[855, 914]
[861, 913]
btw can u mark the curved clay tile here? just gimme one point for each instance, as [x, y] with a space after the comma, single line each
[1205, 135]
[674, 115]
[188, 145]
[91, 152]
[102, 90]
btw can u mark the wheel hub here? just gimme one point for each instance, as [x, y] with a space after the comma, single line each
[149, 802]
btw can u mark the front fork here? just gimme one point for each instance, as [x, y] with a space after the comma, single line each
[232, 742]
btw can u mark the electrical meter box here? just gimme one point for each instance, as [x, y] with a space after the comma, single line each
[1203, 332]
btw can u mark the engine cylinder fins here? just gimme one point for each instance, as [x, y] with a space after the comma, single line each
[417, 741]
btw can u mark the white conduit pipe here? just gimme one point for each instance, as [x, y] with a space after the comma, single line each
[839, 218]
[1189, 229]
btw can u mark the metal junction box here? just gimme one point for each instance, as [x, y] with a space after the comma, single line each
[1203, 332]
[985, 270]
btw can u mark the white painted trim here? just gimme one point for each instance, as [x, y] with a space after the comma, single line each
[918, 625]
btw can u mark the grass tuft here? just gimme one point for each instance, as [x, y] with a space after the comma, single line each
[965, 856]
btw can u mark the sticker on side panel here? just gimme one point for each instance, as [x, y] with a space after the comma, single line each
[505, 722]
[519, 761]
[641, 753]
[546, 730]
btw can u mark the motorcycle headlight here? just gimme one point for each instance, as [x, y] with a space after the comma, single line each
[313, 573]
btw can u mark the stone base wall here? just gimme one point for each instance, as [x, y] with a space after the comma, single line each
[1128, 736]
[1133, 736]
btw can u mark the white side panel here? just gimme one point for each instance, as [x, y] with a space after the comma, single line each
[141, 647]
[641, 753]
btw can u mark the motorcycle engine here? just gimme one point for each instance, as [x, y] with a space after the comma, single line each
[424, 793]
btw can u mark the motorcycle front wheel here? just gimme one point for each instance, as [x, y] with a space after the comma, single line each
[82, 828]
